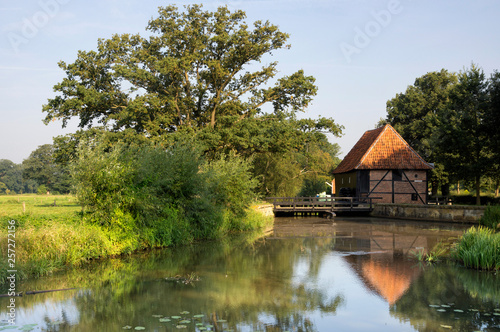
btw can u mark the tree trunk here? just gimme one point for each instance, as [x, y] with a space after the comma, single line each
[434, 189]
[497, 188]
[478, 190]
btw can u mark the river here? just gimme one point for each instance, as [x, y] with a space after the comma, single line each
[308, 274]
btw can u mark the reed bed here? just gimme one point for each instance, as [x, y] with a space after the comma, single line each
[479, 248]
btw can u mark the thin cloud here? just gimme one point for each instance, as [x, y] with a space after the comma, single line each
[19, 68]
[10, 9]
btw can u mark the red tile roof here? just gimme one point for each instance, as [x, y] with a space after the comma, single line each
[381, 148]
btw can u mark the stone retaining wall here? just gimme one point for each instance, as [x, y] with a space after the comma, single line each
[452, 213]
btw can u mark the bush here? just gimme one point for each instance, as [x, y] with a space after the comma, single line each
[230, 183]
[41, 190]
[491, 217]
[162, 196]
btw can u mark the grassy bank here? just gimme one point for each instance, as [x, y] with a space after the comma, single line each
[52, 237]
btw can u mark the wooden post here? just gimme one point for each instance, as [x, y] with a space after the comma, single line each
[24, 206]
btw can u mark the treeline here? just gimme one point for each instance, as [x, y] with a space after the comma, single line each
[452, 120]
[39, 173]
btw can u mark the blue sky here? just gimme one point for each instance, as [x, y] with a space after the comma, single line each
[362, 53]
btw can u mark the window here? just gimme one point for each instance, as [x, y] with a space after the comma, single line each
[414, 197]
[397, 175]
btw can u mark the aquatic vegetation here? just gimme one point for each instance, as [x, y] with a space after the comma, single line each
[187, 280]
[436, 254]
[479, 248]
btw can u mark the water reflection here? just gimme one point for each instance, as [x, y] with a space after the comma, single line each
[309, 274]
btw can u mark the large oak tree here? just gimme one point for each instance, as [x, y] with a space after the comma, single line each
[195, 71]
[205, 75]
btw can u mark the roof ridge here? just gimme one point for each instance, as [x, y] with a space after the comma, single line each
[409, 146]
[371, 145]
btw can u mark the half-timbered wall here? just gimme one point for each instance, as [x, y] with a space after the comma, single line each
[399, 186]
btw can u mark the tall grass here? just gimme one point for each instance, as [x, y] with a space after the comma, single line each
[479, 248]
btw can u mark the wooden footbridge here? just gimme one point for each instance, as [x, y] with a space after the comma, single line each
[328, 206]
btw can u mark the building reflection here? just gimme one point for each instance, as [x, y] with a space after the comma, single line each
[379, 252]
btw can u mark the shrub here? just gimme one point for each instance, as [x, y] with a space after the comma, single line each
[491, 217]
[230, 183]
[163, 196]
[41, 190]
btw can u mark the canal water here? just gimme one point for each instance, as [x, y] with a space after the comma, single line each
[308, 274]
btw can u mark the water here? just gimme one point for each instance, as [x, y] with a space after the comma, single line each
[310, 274]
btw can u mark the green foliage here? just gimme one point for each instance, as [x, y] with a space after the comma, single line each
[192, 72]
[3, 188]
[190, 77]
[287, 174]
[415, 114]
[101, 180]
[41, 190]
[163, 196]
[231, 183]
[479, 248]
[463, 137]
[451, 119]
[41, 167]
[11, 177]
[314, 186]
[279, 174]
[491, 217]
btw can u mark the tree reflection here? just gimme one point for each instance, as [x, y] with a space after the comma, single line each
[455, 290]
[244, 284]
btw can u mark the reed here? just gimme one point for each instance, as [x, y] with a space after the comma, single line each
[479, 248]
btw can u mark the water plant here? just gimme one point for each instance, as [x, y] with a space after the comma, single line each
[479, 248]
[436, 254]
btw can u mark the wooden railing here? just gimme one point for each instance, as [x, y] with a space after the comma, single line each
[321, 204]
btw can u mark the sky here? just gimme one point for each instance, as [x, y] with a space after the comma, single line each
[361, 52]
